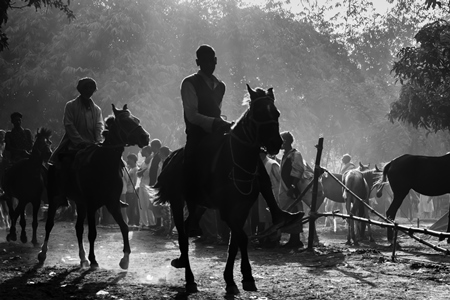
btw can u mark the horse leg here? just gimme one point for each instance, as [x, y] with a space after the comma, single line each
[48, 228]
[349, 223]
[117, 215]
[23, 225]
[79, 228]
[14, 215]
[177, 206]
[392, 210]
[34, 224]
[92, 235]
[231, 287]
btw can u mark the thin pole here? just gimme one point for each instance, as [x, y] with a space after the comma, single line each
[317, 173]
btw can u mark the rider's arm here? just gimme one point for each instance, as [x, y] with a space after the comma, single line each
[99, 126]
[190, 107]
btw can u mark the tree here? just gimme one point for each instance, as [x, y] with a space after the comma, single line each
[6, 5]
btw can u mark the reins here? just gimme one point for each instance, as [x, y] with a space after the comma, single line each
[250, 140]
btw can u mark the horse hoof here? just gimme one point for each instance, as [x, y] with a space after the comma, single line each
[94, 266]
[249, 286]
[191, 288]
[84, 264]
[232, 290]
[124, 262]
[23, 239]
[11, 237]
[41, 257]
[177, 263]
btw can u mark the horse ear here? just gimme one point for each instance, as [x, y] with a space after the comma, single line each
[251, 92]
[270, 93]
[125, 107]
[114, 108]
[376, 168]
[361, 165]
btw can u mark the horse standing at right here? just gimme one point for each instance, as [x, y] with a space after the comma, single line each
[427, 175]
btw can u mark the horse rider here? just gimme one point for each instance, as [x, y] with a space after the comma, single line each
[83, 124]
[18, 141]
[202, 94]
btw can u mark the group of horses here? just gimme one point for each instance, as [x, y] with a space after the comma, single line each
[229, 182]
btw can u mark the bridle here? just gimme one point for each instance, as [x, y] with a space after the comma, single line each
[121, 132]
[250, 140]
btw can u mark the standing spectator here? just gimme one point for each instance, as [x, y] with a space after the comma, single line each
[131, 196]
[265, 220]
[4, 219]
[155, 159]
[146, 217]
[292, 169]
[426, 207]
[346, 163]
[18, 141]
[167, 224]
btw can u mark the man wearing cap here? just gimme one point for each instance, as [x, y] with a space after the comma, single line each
[18, 141]
[83, 124]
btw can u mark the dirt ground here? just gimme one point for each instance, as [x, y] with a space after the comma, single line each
[332, 271]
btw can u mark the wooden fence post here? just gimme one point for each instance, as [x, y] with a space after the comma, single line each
[317, 173]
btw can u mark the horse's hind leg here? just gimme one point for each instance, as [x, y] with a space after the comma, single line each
[183, 243]
[117, 215]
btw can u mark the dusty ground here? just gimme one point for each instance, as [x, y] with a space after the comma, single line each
[333, 271]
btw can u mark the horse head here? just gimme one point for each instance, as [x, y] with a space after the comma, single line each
[42, 144]
[124, 129]
[263, 116]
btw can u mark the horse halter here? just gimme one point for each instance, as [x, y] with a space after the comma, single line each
[257, 124]
[127, 133]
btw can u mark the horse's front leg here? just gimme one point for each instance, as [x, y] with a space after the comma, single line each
[349, 223]
[92, 235]
[79, 228]
[248, 282]
[117, 215]
[34, 224]
[23, 225]
[48, 228]
[13, 215]
[231, 287]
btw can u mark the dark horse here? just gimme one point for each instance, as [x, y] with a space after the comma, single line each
[427, 175]
[228, 182]
[25, 181]
[97, 181]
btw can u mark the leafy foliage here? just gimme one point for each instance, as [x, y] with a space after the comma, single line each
[6, 5]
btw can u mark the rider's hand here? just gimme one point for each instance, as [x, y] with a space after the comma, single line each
[221, 125]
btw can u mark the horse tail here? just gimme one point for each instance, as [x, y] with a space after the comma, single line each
[382, 181]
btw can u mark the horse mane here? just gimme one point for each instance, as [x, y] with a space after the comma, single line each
[109, 121]
[43, 131]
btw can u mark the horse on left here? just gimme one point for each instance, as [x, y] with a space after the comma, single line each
[25, 181]
[96, 181]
